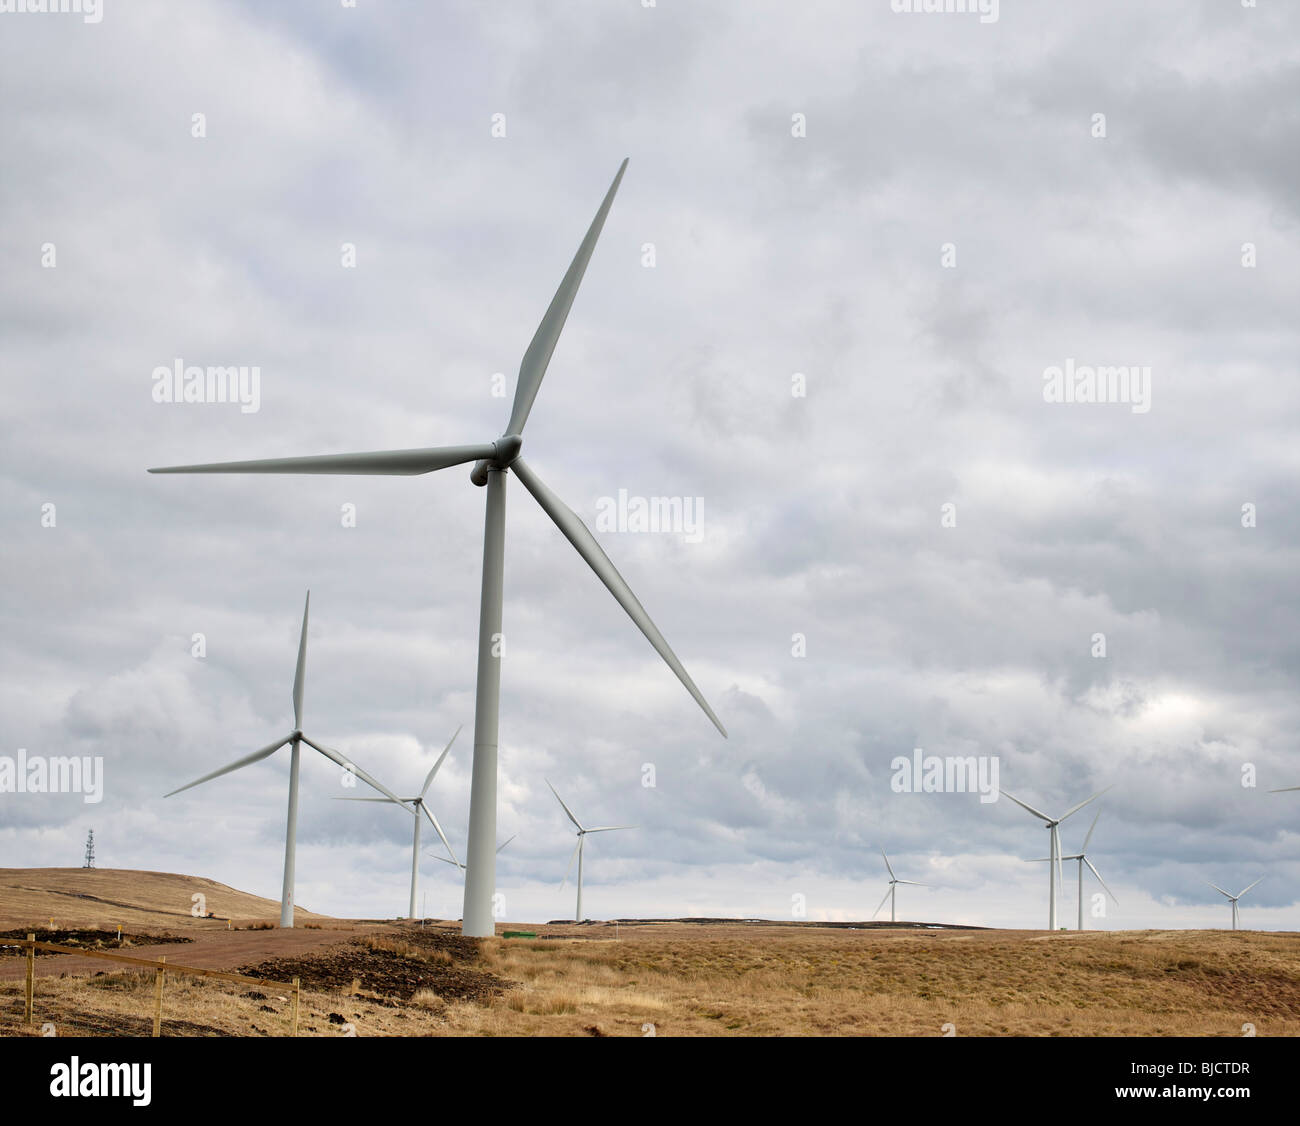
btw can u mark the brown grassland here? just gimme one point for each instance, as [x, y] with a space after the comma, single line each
[662, 978]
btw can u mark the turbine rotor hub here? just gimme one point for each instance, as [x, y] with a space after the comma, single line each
[505, 450]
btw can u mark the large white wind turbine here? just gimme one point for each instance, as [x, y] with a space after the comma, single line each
[418, 805]
[894, 881]
[296, 738]
[1082, 857]
[1233, 898]
[582, 837]
[493, 460]
[1054, 867]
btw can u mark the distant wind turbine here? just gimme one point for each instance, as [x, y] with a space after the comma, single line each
[493, 460]
[456, 863]
[1233, 898]
[582, 836]
[1054, 867]
[295, 737]
[1082, 857]
[894, 881]
[418, 805]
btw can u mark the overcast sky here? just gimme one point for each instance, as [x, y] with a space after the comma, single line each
[950, 225]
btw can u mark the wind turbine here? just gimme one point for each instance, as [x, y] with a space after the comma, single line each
[493, 460]
[418, 805]
[296, 738]
[582, 837]
[894, 881]
[1233, 898]
[1054, 867]
[1082, 857]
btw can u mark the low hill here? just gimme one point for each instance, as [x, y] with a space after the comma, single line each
[105, 897]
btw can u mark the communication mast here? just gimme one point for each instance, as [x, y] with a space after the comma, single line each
[90, 850]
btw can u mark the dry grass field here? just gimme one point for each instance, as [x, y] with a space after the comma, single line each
[679, 979]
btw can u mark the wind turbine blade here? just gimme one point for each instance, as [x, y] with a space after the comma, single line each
[566, 809]
[1076, 808]
[382, 801]
[607, 828]
[1246, 889]
[538, 356]
[335, 756]
[882, 903]
[247, 760]
[506, 841]
[1086, 839]
[577, 534]
[1220, 890]
[1284, 790]
[888, 865]
[387, 463]
[300, 673]
[1036, 813]
[429, 780]
[570, 867]
[1093, 869]
[438, 829]
[912, 882]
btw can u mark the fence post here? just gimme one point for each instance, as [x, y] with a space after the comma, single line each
[31, 973]
[157, 1003]
[160, 972]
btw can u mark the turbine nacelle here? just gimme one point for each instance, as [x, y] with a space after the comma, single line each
[505, 450]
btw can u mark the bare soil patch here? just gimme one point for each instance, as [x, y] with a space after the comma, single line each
[387, 972]
[90, 938]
